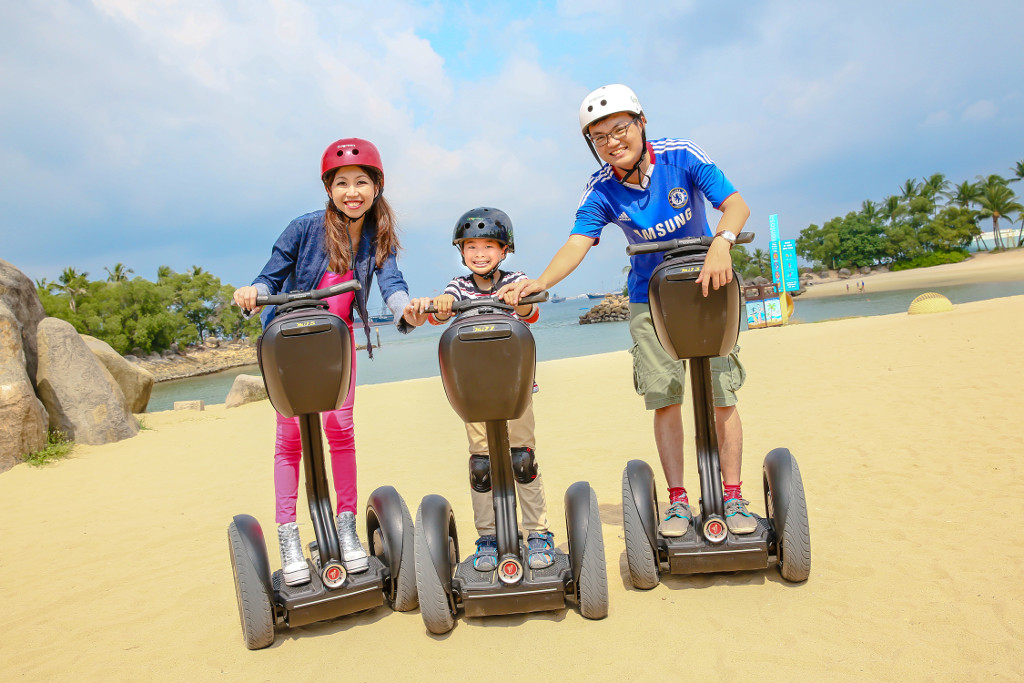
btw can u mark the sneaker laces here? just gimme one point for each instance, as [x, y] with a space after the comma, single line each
[678, 509]
[487, 545]
[540, 541]
[347, 532]
[737, 506]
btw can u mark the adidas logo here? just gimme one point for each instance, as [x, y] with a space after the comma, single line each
[623, 216]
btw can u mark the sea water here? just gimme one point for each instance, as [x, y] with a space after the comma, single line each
[558, 334]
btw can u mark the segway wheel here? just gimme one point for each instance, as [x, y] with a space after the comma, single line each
[640, 556]
[254, 608]
[787, 508]
[435, 603]
[402, 594]
[592, 591]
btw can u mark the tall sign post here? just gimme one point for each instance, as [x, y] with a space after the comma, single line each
[783, 253]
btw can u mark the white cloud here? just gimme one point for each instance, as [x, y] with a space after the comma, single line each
[982, 110]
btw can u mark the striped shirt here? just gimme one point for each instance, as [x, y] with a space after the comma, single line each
[464, 287]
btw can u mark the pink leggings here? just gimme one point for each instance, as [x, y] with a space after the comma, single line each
[288, 453]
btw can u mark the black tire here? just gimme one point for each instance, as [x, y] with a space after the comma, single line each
[787, 508]
[254, 608]
[434, 604]
[593, 588]
[405, 591]
[643, 565]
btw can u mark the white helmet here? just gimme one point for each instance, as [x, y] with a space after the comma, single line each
[608, 100]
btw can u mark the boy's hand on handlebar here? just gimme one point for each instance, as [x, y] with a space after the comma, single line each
[512, 293]
[717, 270]
[245, 297]
[414, 311]
[443, 304]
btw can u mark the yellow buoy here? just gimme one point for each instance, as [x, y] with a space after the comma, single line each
[930, 302]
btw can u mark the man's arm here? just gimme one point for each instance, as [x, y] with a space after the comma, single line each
[717, 269]
[566, 260]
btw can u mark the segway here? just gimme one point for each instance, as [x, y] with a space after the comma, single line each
[487, 360]
[694, 327]
[305, 355]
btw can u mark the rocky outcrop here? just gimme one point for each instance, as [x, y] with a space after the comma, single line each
[23, 419]
[200, 360]
[135, 382]
[81, 397]
[19, 294]
[245, 389]
[613, 308]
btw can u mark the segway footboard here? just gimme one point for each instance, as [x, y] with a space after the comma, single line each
[314, 602]
[692, 554]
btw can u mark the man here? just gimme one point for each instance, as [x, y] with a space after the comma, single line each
[655, 191]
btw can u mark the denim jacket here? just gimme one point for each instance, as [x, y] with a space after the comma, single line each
[299, 260]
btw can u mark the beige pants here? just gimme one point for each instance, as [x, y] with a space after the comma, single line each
[531, 500]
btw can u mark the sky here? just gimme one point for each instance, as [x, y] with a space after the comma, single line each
[189, 132]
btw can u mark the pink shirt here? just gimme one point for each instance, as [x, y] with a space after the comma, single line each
[341, 304]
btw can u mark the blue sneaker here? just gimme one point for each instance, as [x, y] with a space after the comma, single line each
[486, 557]
[540, 546]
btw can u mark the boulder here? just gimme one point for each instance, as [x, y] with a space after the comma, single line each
[23, 418]
[19, 294]
[245, 389]
[167, 353]
[136, 383]
[864, 270]
[844, 273]
[211, 342]
[189, 405]
[824, 275]
[82, 398]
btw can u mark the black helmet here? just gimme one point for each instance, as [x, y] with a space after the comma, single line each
[484, 223]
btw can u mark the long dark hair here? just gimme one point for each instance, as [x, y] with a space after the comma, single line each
[336, 236]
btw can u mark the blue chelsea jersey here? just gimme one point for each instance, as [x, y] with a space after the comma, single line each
[672, 206]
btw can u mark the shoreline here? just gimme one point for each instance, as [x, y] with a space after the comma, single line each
[1004, 266]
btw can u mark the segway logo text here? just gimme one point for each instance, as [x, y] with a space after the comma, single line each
[483, 328]
[665, 227]
[305, 323]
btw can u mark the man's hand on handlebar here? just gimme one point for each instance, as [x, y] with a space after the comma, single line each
[512, 293]
[717, 270]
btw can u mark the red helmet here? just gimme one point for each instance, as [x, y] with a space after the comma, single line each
[351, 152]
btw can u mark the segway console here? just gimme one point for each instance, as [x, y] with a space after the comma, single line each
[487, 360]
[305, 356]
[696, 328]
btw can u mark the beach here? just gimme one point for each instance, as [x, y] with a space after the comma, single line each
[906, 430]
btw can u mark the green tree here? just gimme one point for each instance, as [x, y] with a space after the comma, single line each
[998, 201]
[762, 261]
[1018, 172]
[953, 228]
[118, 274]
[73, 284]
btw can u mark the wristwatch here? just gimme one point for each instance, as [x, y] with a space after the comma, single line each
[727, 236]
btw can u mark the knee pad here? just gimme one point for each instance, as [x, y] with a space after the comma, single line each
[524, 465]
[480, 473]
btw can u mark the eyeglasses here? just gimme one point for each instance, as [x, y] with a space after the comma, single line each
[619, 132]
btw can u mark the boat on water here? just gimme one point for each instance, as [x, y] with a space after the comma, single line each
[599, 295]
[382, 317]
[555, 299]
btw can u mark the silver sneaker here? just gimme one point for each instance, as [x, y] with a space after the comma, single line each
[676, 521]
[293, 564]
[352, 554]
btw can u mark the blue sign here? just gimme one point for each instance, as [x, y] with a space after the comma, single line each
[790, 273]
[773, 227]
[775, 251]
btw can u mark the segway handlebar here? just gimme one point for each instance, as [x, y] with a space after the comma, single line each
[463, 304]
[313, 295]
[669, 245]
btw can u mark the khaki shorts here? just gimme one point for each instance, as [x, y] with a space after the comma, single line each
[662, 380]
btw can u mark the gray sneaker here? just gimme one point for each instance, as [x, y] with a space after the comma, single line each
[486, 557]
[738, 518]
[676, 521]
[293, 564]
[352, 554]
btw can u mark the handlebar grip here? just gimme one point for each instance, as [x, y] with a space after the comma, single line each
[313, 295]
[669, 245]
[463, 304]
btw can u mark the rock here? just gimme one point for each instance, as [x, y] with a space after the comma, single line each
[211, 342]
[884, 268]
[19, 294]
[131, 359]
[154, 356]
[761, 280]
[82, 398]
[138, 353]
[844, 273]
[167, 353]
[174, 348]
[613, 308]
[189, 405]
[245, 389]
[136, 383]
[23, 418]
[864, 270]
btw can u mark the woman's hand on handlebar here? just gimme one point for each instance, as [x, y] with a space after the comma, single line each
[717, 270]
[245, 297]
[415, 311]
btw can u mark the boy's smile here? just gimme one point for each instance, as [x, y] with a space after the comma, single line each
[482, 255]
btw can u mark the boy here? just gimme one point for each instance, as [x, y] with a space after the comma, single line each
[484, 237]
[655, 191]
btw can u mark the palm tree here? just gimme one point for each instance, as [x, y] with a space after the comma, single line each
[72, 283]
[998, 201]
[909, 189]
[965, 194]
[891, 209]
[118, 274]
[762, 260]
[934, 186]
[1018, 172]
[870, 210]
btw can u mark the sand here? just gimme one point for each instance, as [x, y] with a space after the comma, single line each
[907, 429]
